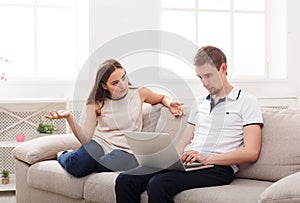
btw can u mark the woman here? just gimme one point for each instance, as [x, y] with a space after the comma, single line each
[112, 107]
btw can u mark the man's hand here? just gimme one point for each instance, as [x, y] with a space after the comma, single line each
[193, 156]
[58, 114]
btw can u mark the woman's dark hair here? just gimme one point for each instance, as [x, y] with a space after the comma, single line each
[98, 93]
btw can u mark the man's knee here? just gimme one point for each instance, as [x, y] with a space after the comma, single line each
[122, 184]
[159, 190]
[155, 186]
[122, 180]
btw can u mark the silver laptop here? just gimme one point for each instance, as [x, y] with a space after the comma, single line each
[156, 150]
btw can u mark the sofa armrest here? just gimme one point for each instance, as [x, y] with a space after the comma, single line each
[284, 190]
[44, 148]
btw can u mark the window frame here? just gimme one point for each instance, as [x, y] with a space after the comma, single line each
[82, 43]
[265, 78]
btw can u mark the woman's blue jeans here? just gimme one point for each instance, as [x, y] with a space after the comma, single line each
[91, 158]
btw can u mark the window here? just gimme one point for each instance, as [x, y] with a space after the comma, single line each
[44, 38]
[251, 34]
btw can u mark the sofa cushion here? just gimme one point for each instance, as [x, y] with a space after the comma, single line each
[104, 183]
[235, 192]
[50, 176]
[151, 113]
[100, 187]
[284, 190]
[240, 190]
[280, 147]
[167, 123]
[44, 148]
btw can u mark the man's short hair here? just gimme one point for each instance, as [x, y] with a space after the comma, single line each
[210, 55]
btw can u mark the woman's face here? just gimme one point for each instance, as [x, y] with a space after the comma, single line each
[117, 84]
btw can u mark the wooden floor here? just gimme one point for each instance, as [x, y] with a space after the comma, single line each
[7, 197]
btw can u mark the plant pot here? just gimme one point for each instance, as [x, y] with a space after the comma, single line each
[5, 180]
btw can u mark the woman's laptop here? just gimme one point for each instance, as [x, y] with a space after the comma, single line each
[156, 150]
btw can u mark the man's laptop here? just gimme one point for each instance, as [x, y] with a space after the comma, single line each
[156, 150]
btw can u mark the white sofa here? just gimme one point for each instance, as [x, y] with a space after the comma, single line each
[275, 177]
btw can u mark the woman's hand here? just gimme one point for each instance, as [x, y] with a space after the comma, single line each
[194, 156]
[150, 97]
[176, 109]
[58, 114]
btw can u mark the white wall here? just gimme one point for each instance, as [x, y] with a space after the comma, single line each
[113, 18]
[145, 15]
[108, 20]
[36, 89]
[298, 48]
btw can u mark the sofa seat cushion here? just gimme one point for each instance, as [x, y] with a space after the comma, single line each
[240, 190]
[50, 176]
[100, 187]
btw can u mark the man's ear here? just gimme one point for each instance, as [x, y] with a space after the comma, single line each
[224, 68]
[104, 86]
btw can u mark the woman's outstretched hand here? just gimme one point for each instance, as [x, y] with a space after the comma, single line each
[58, 114]
[176, 108]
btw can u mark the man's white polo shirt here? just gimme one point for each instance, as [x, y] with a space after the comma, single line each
[219, 128]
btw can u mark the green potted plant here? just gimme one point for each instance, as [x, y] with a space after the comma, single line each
[5, 177]
[46, 127]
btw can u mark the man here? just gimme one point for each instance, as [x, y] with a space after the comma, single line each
[223, 129]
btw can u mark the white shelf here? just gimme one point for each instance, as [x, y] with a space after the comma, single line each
[11, 186]
[9, 144]
[33, 100]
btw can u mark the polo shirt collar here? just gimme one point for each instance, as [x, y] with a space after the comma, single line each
[234, 94]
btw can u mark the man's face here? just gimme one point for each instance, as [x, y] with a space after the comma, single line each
[210, 78]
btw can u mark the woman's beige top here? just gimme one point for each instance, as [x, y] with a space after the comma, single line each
[116, 116]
